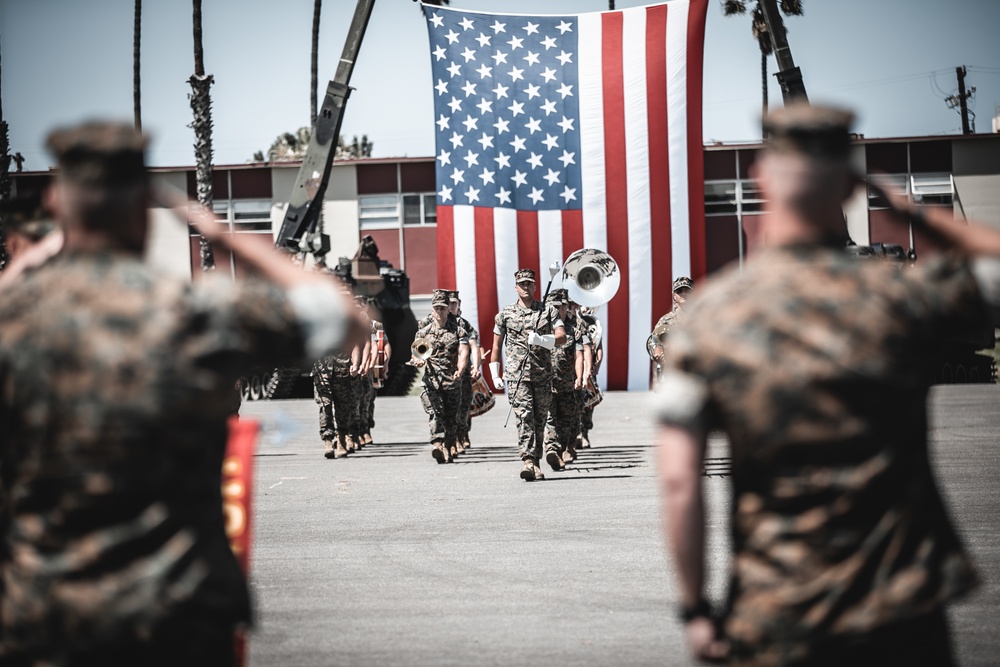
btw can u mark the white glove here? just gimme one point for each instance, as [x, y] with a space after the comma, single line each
[495, 374]
[547, 341]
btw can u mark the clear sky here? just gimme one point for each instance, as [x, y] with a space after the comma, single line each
[893, 61]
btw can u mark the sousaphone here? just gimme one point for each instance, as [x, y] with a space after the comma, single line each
[591, 277]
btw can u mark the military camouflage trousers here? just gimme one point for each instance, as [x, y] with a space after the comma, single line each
[338, 396]
[465, 404]
[442, 408]
[531, 401]
[563, 424]
[367, 404]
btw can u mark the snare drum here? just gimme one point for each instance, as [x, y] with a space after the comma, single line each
[592, 394]
[483, 399]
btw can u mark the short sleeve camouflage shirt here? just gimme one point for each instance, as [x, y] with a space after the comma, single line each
[447, 342]
[513, 323]
[813, 364]
[564, 356]
[115, 388]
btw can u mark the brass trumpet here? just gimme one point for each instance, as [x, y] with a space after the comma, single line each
[421, 349]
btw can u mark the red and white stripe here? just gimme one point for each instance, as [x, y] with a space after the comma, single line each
[642, 191]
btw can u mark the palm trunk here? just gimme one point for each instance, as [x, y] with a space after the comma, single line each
[763, 90]
[317, 7]
[201, 106]
[4, 180]
[136, 51]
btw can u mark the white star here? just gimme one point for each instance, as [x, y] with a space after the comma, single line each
[500, 90]
[437, 20]
[445, 157]
[532, 58]
[515, 43]
[452, 36]
[456, 140]
[533, 125]
[441, 87]
[470, 123]
[502, 125]
[564, 27]
[549, 107]
[445, 193]
[466, 23]
[469, 88]
[443, 123]
[549, 42]
[503, 195]
[548, 74]
[485, 106]
[566, 124]
[498, 27]
[484, 40]
[565, 90]
[458, 175]
[564, 58]
[473, 194]
[551, 141]
[486, 141]
[439, 53]
[536, 196]
[471, 158]
[552, 177]
[567, 158]
[454, 69]
[455, 104]
[485, 71]
[487, 176]
[502, 160]
[516, 108]
[520, 178]
[518, 144]
[532, 91]
[516, 74]
[568, 194]
[531, 28]
[499, 58]
[535, 161]
[468, 54]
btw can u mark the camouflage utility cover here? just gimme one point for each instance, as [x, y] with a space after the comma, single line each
[514, 323]
[115, 386]
[814, 366]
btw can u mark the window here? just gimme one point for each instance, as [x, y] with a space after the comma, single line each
[890, 182]
[420, 209]
[934, 189]
[729, 197]
[252, 215]
[378, 211]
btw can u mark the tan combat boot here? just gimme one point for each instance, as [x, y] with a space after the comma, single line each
[329, 450]
[340, 451]
[554, 459]
[440, 452]
[569, 454]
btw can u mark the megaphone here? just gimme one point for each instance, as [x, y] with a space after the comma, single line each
[591, 277]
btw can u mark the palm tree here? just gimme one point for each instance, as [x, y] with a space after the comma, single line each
[201, 105]
[759, 28]
[136, 38]
[317, 8]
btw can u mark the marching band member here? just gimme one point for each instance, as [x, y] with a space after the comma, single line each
[473, 371]
[531, 329]
[446, 360]
[563, 422]
[681, 291]
[593, 325]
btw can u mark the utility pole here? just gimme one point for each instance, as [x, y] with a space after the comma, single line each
[961, 100]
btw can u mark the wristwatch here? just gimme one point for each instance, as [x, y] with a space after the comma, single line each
[701, 609]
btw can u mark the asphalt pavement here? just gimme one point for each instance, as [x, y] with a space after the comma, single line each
[387, 558]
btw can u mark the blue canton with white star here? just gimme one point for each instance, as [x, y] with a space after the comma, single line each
[506, 106]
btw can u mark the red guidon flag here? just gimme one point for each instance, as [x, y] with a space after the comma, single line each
[556, 133]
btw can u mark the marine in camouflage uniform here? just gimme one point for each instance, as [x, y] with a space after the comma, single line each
[661, 330]
[472, 372]
[529, 328]
[443, 370]
[368, 411]
[563, 423]
[815, 367]
[115, 387]
[338, 395]
[590, 322]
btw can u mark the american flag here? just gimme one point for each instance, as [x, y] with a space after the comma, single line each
[556, 133]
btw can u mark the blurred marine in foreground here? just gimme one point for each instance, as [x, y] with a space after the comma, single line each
[813, 364]
[115, 386]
